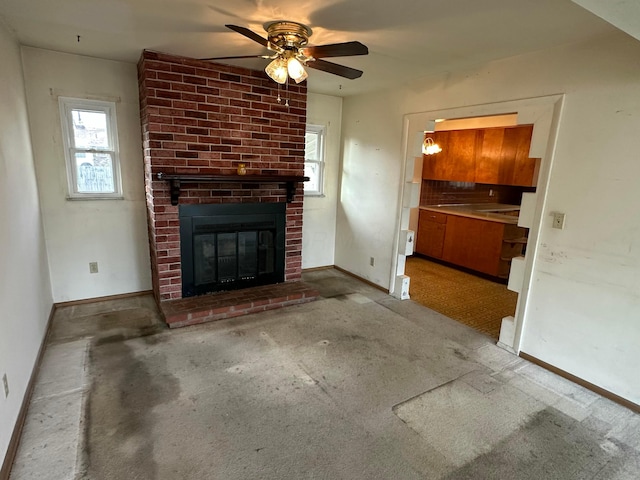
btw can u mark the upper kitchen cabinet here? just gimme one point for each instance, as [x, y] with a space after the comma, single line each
[456, 161]
[522, 170]
[489, 156]
[497, 156]
[515, 166]
[435, 167]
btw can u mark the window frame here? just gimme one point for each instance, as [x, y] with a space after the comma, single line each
[67, 105]
[321, 131]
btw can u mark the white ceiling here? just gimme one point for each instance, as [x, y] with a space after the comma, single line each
[407, 39]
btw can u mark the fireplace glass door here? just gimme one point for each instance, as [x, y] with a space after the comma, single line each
[226, 247]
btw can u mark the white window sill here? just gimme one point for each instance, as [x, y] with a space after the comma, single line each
[95, 197]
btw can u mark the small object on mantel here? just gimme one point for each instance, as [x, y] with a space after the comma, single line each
[290, 181]
[242, 169]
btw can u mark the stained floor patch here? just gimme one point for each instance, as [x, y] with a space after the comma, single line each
[550, 446]
[124, 391]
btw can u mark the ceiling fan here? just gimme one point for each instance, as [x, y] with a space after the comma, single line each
[288, 40]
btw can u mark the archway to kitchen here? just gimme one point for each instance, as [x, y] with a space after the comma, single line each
[543, 114]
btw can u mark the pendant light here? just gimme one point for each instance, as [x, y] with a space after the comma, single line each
[429, 147]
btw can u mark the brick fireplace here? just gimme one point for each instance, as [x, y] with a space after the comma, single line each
[200, 120]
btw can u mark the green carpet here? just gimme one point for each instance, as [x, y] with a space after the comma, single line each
[474, 301]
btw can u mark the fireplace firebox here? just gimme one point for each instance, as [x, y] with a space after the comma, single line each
[231, 246]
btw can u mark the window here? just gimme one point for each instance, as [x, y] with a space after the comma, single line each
[314, 159]
[91, 148]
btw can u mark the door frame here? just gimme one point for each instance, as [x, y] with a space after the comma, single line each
[544, 113]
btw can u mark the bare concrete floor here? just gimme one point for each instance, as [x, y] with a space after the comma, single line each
[357, 385]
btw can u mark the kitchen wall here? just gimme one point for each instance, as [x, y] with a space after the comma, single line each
[319, 223]
[25, 288]
[583, 306]
[110, 232]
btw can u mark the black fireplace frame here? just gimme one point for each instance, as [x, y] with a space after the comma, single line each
[230, 218]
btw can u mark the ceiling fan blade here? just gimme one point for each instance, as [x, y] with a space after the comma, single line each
[341, 70]
[237, 57]
[346, 49]
[249, 34]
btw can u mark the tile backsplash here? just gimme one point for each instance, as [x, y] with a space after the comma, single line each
[435, 192]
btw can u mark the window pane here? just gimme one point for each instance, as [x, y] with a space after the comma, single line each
[90, 129]
[312, 170]
[311, 146]
[94, 172]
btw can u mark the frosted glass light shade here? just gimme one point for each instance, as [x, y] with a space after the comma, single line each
[277, 70]
[296, 70]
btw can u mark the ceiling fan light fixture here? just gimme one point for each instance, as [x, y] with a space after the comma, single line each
[277, 70]
[296, 70]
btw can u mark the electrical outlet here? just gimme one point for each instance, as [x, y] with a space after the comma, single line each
[558, 220]
[5, 384]
[93, 267]
[372, 261]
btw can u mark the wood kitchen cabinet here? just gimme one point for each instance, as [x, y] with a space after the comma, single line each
[473, 243]
[435, 167]
[456, 162]
[503, 156]
[521, 169]
[431, 232]
[481, 245]
[496, 156]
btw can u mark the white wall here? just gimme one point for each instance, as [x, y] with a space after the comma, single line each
[584, 304]
[110, 232]
[25, 289]
[319, 220]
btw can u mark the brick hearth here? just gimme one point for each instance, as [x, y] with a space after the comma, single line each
[206, 308]
[202, 118]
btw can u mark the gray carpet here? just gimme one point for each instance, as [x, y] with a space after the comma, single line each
[357, 385]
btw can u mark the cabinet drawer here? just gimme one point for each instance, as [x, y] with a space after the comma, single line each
[430, 216]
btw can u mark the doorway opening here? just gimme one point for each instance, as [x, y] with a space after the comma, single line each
[541, 115]
[467, 230]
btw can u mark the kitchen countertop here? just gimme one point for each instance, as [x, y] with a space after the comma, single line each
[494, 212]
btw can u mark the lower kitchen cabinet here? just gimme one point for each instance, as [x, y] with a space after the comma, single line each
[473, 243]
[480, 245]
[431, 232]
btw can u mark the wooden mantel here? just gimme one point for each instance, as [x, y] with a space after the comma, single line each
[290, 181]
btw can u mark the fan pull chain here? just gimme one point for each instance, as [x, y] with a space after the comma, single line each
[279, 99]
[286, 89]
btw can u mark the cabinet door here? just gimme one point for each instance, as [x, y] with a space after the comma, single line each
[434, 167]
[489, 154]
[516, 168]
[473, 243]
[461, 164]
[431, 232]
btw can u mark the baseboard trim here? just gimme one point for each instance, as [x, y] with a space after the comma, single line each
[583, 383]
[317, 269]
[102, 299]
[14, 442]
[363, 280]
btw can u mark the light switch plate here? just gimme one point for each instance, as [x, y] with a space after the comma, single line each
[558, 220]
